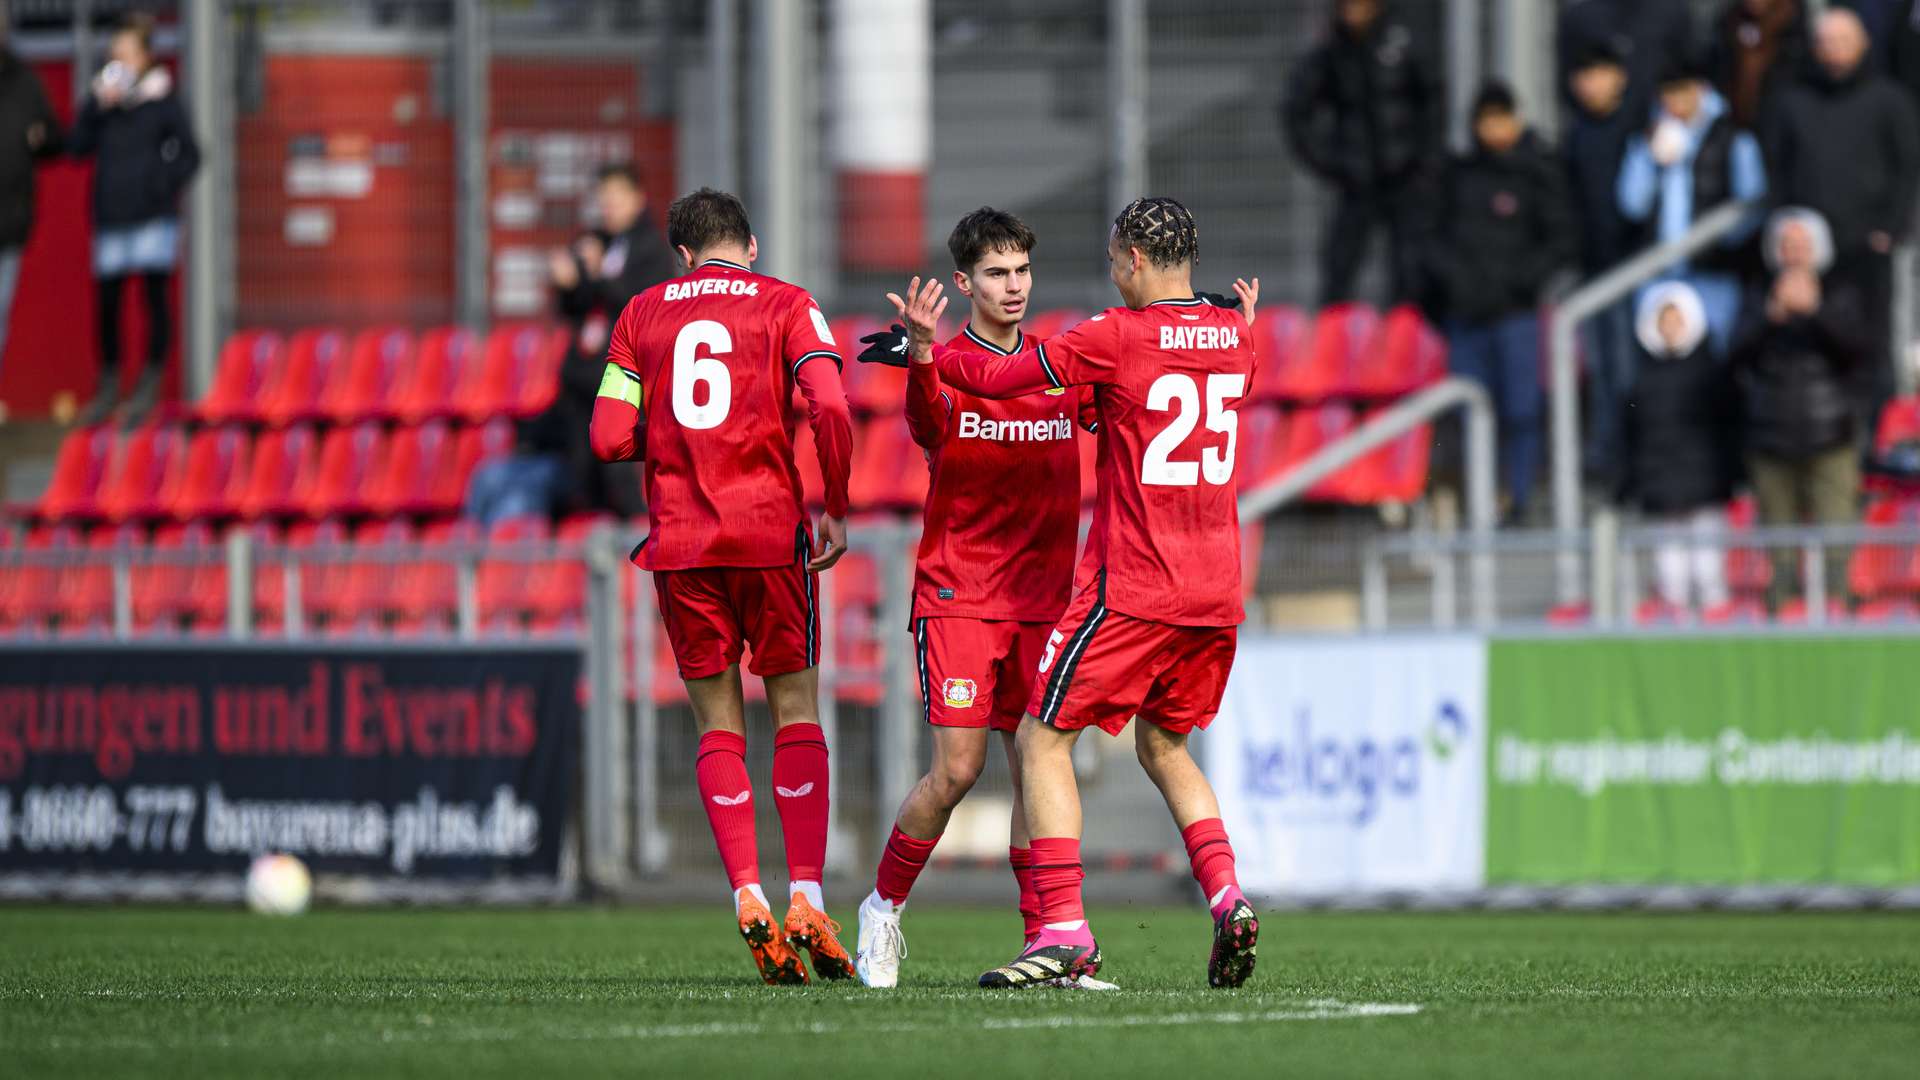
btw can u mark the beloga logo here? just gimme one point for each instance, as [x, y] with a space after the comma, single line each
[959, 693]
[1346, 777]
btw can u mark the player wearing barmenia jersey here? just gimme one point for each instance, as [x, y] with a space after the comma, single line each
[699, 373]
[1150, 630]
[994, 572]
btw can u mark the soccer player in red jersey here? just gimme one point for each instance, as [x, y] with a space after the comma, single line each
[1150, 631]
[699, 373]
[994, 572]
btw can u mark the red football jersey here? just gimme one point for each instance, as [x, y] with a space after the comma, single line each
[716, 354]
[1003, 503]
[1165, 541]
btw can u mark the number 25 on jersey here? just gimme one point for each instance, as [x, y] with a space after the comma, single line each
[1176, 391]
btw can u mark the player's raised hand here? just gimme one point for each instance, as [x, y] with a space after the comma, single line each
[887, 347]
[1219, 300]
[921, 311]
[830, 542]
[1249, 294]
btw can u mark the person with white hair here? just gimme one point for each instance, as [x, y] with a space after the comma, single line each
[1679, 432]
[1795, 358]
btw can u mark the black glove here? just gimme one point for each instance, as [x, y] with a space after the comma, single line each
[1219, 300]
[887, 347]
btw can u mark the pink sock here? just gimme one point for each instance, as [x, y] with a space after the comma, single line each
[1021, 860]
[900, 865]
[800, 790]
[727, 796]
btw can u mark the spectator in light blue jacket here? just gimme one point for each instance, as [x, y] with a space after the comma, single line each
[1689, 162]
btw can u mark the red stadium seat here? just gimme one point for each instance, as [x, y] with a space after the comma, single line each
[79, 473]
[1570, 615]
[502, 582]
[518, 373]
[83, 599]
[1748, 569]
[1279, 335]
[1889, 611]
[1877, 570]
[269, 578]
[374, 584]
[28, 594]
[1739, 611]
[1308, 430]
[1323, 368]
[165, 590]
[1795, 612]
[474, 447]
[442, 364]
[314, 359]
[420, 474]
[1899, 422]
[326, 578]
[1406, 353]
[350, 460]
[1261, 446]
[1396, 472]
[212, 482]
[249, 364]
[428, 595]
[557, 588]
[373, 368]
[282, 473]
[890, 470]
[148, 463]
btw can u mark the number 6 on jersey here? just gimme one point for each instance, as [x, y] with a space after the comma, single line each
[1175, 390]
[690, 369]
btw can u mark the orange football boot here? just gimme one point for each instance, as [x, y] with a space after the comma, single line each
[779, 965]
[811, 929]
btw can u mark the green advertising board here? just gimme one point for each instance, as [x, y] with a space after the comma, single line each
[1704, 761]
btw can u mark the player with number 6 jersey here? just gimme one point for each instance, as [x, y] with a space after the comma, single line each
[700, 371]
[1150, 631]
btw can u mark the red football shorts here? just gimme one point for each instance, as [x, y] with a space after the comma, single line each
[1101, 668]
[976, 673]
[712, 613]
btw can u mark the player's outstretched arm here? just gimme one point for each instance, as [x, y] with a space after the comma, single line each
[985, 374]
[617, 431]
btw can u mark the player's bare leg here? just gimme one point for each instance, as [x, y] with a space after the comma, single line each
[1020, 842]
[726, 793]
[800, 780]
[1236, 929]
[959, 755]
[1065, 946]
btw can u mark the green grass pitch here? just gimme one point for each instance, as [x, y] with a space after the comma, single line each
[669, 993]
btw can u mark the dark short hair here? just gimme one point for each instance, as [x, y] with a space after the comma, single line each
[617, 170]
[986, 230]
[705, 218]
[1495, 96]
[1597, 53]
[1161, 228]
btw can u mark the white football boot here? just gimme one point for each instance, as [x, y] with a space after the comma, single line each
[882, 945]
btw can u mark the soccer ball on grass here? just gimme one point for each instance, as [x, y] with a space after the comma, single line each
[278, 885]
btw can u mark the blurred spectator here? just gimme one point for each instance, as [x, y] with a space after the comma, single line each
[1363, 113]
[144, 154]
[1793, 357]
[28, 132]
[553, 469]
[1648, 35]
[1847, 143]
[1758, 47]
[1499, 229]
[1691, 161]
[1680, 444]
[1596, 141]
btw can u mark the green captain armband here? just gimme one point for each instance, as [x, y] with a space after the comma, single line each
[621, 385]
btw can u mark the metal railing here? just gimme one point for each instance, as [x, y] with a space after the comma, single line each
[1389, 424]
[1587, 301]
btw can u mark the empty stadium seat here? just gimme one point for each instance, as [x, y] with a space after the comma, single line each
[269, 577]
[212, 481]
[1877, 570]
[1406, 353]
[146, 464]
[1323, 367]
[502, 581]
[1261, 445]
[79, 473]
[350, 460]
[281, 473]
[83, 599]
[373, 368]
[1748, 569]
[518, 373]
[1795, 612]
[1309, 430]
[169, 589]
[314, 359]
[443, 361]
[249, 365]
[373, 584]
[1395, 472]
[1894, 610]
[28, 594]
[1278, 336]
[325, 576]
[427, 596]
[420, 473]
[557, 587]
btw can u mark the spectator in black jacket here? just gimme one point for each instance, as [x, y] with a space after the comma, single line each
[1759, 47]
[1649, 36]
[1794, 358]
[553, 469]
[1846, 143]
[1500, 229]
[144, 154]
[1363, 113]
[1680, 445]
[28, 132]
[1596, 143]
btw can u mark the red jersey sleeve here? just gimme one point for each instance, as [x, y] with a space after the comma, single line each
[1089, 410]
[1083, 356]
[617, 430]
[807, 339]
[929, 408]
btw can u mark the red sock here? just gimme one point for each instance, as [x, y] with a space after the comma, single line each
[1211, 856]
[800, 790]
[727, 796]
[900, 865]
[1021, 859]
[1057, 875]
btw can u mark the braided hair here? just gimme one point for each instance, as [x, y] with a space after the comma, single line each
[1161, 228]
